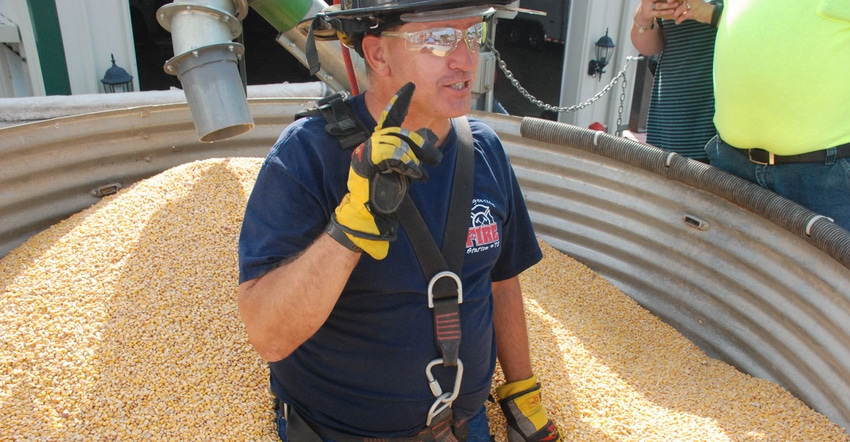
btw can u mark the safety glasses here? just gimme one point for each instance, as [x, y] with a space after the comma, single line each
[442, 41]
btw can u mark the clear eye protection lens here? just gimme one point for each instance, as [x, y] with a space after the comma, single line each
[476, 35]
[442, 41]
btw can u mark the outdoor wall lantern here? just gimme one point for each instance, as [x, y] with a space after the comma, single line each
[117, 79]
[604, 49]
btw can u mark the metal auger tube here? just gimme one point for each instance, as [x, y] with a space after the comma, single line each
[285, 17]
[205, 61]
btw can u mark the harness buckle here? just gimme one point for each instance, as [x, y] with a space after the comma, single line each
[444, 400]
[438, 276]
[446, 315]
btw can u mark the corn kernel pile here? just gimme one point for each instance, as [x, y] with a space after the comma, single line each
[120, 323]
[610, 370]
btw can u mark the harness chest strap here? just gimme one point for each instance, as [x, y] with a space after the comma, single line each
[342, 122]
[443, 267]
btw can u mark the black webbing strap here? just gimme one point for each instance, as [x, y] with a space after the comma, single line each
[446, 292]
[342, 122]
[311, 54]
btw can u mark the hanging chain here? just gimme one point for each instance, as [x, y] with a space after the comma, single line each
[620, 109]
[539, 103]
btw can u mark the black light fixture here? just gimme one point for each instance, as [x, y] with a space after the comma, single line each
[604, 49]
[117, 79]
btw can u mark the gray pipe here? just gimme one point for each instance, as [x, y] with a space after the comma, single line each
[205, 62]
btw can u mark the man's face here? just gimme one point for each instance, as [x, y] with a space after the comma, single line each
[443, 76]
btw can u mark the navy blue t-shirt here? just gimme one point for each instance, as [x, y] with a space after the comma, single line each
[363, 372]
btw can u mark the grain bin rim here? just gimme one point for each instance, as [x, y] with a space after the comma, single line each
[751, 279]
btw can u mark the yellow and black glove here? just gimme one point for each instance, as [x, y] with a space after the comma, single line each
[523, 409]
[380, 174]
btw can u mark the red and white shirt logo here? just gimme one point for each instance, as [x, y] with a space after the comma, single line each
[484, 231]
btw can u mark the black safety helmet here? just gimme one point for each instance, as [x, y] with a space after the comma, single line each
[351, 20]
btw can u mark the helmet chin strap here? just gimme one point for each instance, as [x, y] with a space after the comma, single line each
[349, 66]
[352, 29]
[310, 51]
[349, 69]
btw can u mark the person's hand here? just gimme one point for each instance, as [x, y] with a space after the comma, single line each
[650, 10]
[523, 409]
[697, 10]
[380, 174]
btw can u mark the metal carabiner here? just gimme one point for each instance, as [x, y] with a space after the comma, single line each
[445, 399]
[444, 274]
[434, 411]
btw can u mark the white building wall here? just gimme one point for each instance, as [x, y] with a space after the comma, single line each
[588, 21]
[14, 79]
[91, 31]
[20, 75]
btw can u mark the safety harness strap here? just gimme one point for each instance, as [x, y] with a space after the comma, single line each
[446, 292]
[311, 53]
[342, 122]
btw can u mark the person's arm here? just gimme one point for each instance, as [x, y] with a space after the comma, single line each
[519, 396]
[647, 37]
[286, 306]
[511, 331]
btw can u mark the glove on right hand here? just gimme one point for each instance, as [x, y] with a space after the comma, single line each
[380, 174]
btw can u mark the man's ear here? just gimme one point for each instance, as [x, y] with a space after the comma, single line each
[375, 55]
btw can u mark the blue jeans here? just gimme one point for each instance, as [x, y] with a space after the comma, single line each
[479, 429]
[823, 188]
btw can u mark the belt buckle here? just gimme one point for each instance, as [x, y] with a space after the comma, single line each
[771, 158]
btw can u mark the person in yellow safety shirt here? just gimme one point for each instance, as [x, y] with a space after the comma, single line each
[782, 100]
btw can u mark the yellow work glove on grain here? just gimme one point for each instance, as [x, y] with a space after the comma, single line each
[527, 420]
[380, 174]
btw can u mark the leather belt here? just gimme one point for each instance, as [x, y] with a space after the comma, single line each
[761, 156]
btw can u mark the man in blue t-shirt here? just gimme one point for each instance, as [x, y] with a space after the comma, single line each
[332, 291]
